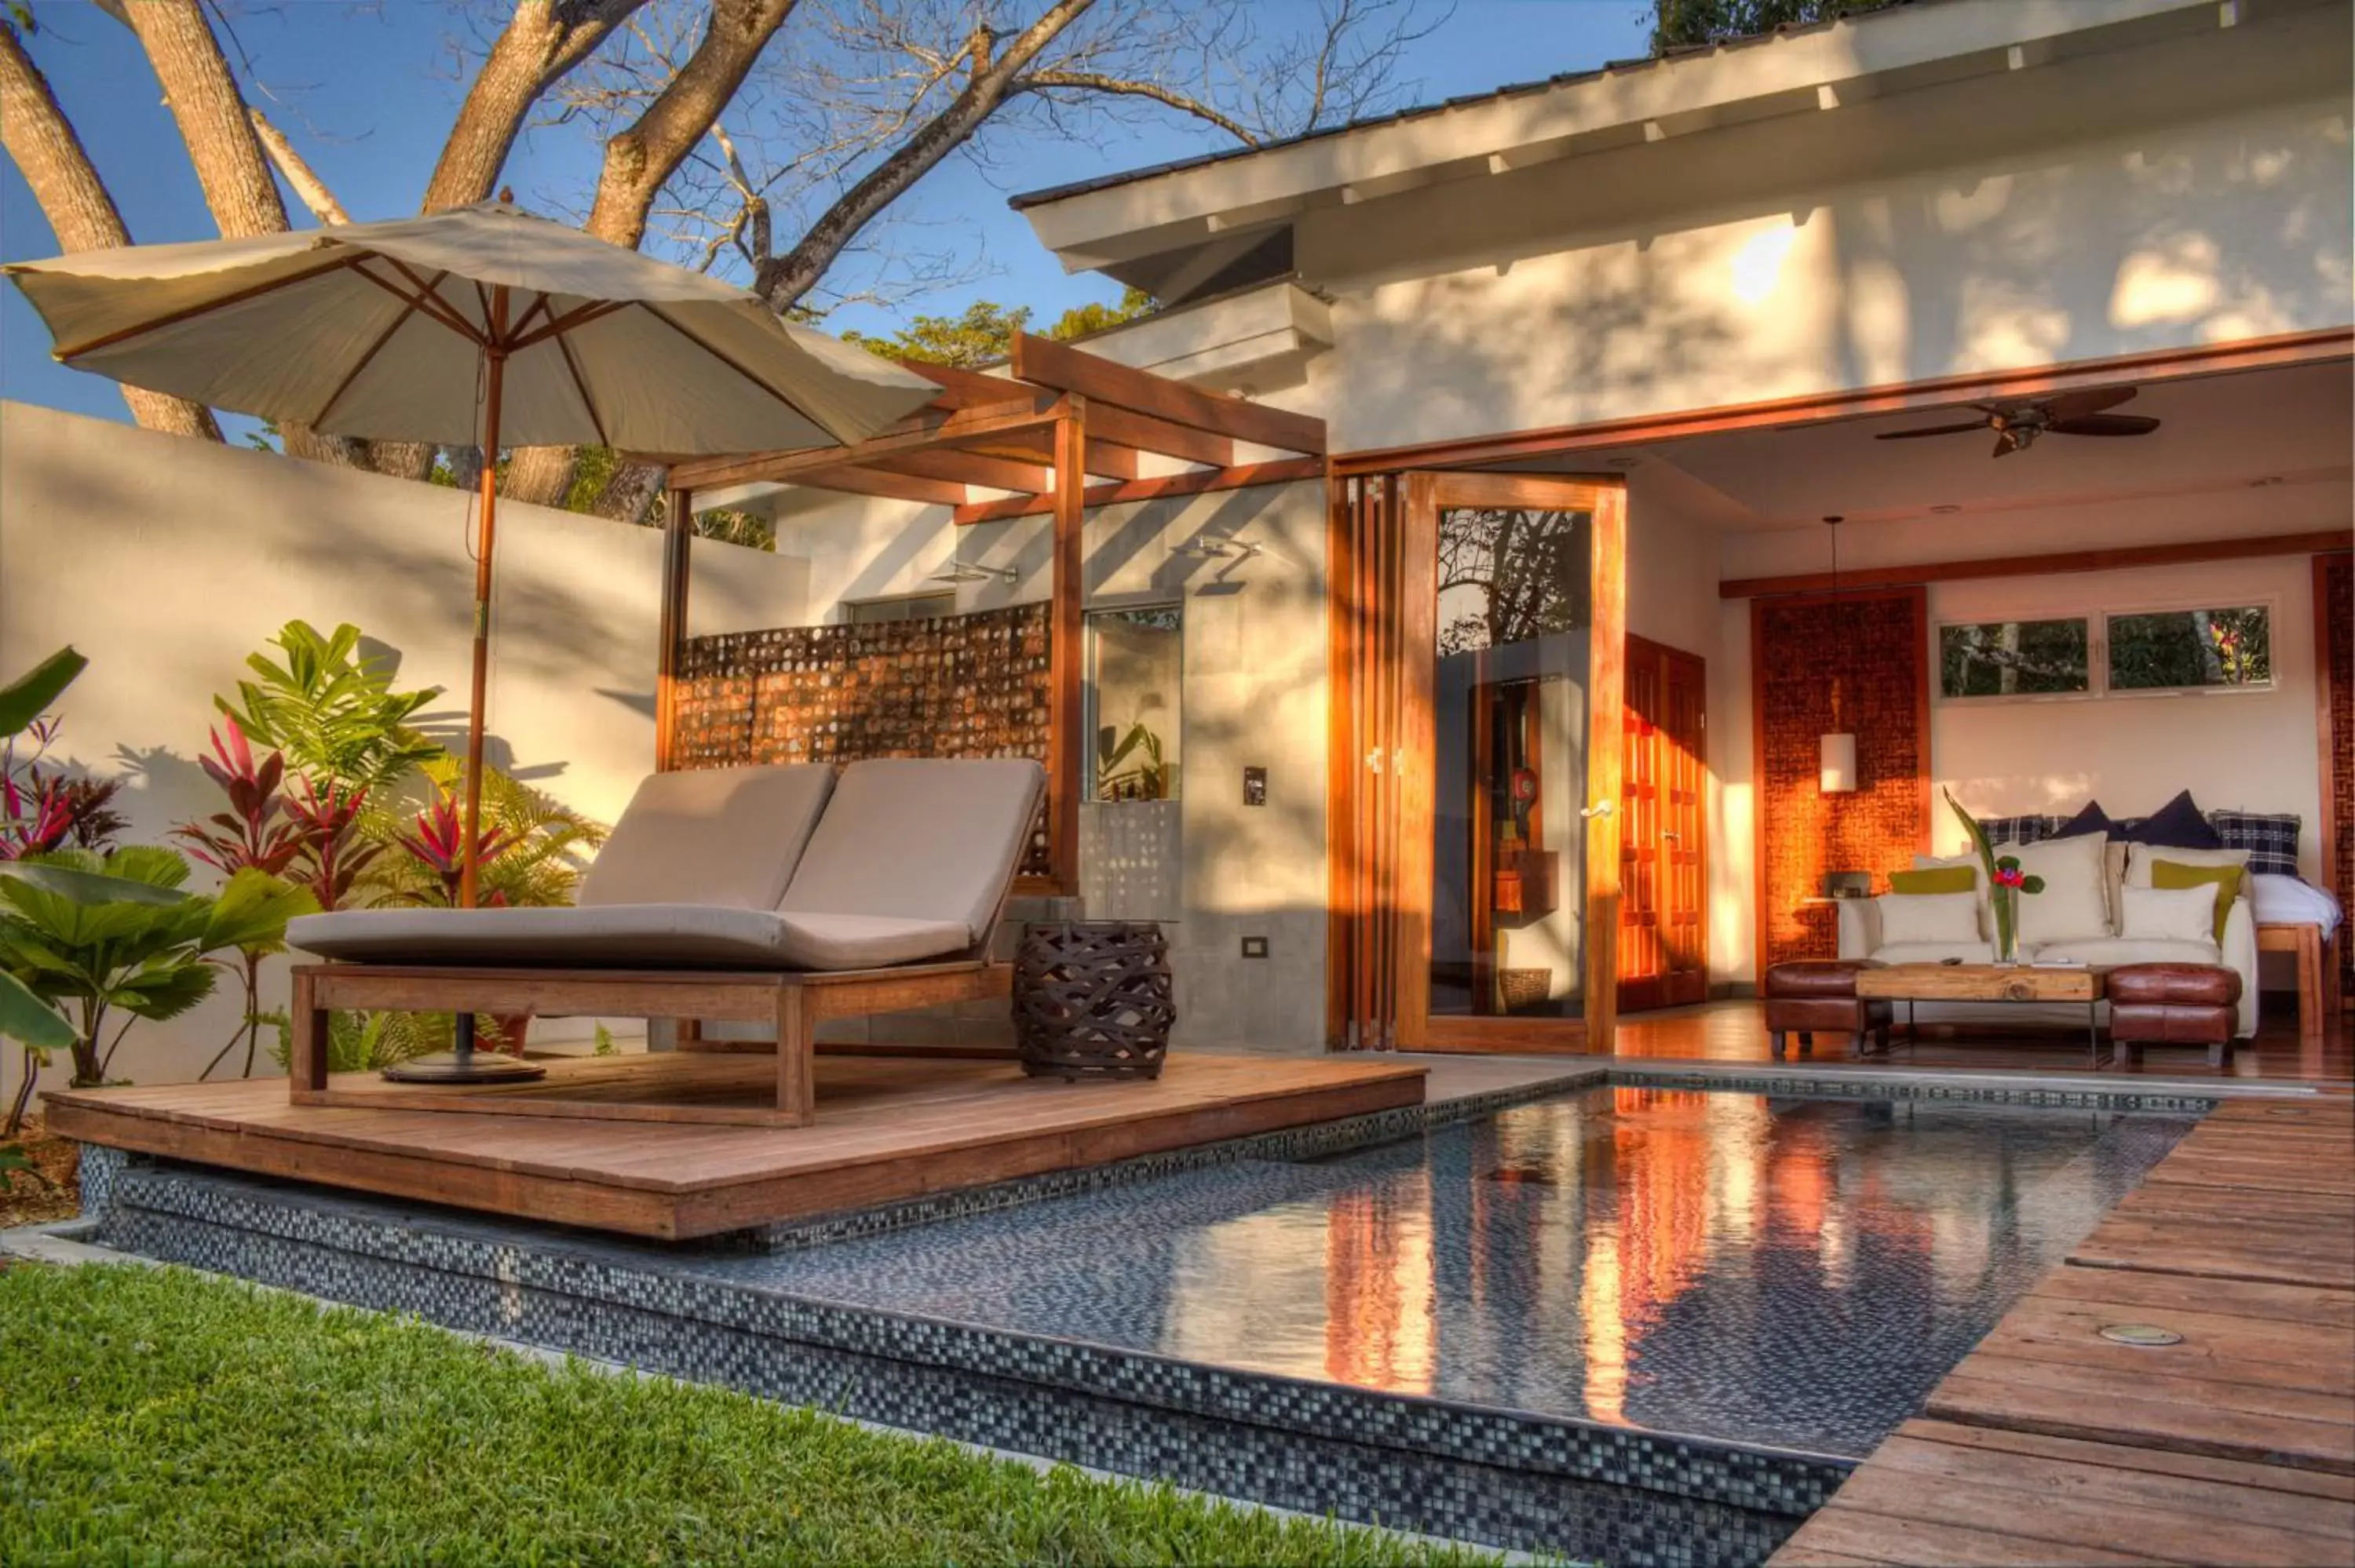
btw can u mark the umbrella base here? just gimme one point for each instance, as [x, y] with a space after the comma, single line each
[462, 1067]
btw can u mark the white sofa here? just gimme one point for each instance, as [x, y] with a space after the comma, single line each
[1860, 937]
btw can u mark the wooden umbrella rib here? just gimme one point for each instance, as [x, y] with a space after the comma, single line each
[729, 360]
[174, 318]
[572, 365]
[407, 310]
[427, 301]
[556, 326]
[523, 321]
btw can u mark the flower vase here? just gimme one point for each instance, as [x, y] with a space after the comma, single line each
[2005, 906]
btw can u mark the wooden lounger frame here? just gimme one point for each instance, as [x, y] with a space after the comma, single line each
[795, 1003]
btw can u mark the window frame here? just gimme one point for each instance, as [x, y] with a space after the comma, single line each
[2268, 603]
[2098, 687]
[2094, 666]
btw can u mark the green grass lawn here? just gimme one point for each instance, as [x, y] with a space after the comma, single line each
[151, 1414]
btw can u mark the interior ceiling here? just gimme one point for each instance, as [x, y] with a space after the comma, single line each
[2216, 432]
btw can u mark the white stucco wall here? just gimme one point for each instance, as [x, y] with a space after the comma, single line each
[167, 561]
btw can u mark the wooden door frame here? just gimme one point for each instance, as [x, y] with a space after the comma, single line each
[2326, 743]
[1638, 646]
[1410, 626]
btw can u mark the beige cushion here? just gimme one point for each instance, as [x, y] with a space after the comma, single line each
[2139, 856]
[1978, 874]
[1934, 952]
[920, 839]
[2073, 903]
[2131, 950]
[1909, 917]
[618, 935]
[867, 941]
[2168, 914]
[627, 935]
[728, 837]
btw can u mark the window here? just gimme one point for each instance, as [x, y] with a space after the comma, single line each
[900, 607]
[1136, 670]
[2191, 649]
[2015, 658]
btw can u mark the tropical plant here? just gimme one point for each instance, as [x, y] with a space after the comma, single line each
[26, 1016]
[334, 714]
[531, 852]
[2005, 883]
[1119, 779]
[97, 936]
[335, 854]
[253, 832]
[41, 809]
[365, 1042]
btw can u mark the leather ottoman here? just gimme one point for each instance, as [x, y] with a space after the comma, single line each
[2172, 1005]
[1808, 997]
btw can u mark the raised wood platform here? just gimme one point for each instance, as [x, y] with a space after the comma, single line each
[2050, 1444]
[891, 1128]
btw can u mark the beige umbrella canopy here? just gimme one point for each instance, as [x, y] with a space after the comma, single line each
[478, 325]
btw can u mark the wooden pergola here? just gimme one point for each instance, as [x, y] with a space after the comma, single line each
[1036, 437]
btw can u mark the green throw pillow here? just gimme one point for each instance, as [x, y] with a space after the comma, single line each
[1935, 879]
[2227, 878]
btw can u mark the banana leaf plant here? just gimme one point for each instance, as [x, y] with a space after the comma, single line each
[108, 940]
[333, 713]
[2005, 883]
[25, 1016]
[1119, 779]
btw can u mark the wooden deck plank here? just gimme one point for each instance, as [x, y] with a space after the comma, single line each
[2050, 1444]
[889, 1129]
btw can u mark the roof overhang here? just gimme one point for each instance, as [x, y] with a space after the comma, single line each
[1118, 225]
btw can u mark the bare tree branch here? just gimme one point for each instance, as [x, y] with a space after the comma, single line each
[1095, 81]
[81, 211]
[301, 178]
[542, 41]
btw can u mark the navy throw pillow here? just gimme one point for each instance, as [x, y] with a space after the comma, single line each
[2175, 825]
[2093, 820]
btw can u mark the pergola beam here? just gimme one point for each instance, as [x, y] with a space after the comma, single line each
[888, 485]
[926, 428]
[1043, 362]
[1200, 481]
[967, 467]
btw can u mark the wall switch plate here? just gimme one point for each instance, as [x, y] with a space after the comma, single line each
[1255, 786]
[1254, 946]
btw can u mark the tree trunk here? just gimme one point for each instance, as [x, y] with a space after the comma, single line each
[630, 495]
[542, 41]
[540, 475]
[81, 214]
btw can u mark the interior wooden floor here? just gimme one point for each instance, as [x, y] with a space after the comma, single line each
[2052, 1443]
[889, 1129]
[1732, 1032]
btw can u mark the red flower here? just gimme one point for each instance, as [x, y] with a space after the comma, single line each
[2009, 877]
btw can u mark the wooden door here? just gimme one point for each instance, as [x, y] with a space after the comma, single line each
[1663, 830]
[1477, 646]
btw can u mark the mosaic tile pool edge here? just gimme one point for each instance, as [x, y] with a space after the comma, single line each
[1526, 1482]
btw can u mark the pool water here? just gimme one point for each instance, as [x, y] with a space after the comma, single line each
[1795, 1273]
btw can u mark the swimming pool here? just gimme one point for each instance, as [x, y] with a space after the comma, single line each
[1794, 1273]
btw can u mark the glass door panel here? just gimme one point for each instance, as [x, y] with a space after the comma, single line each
[1524, 653]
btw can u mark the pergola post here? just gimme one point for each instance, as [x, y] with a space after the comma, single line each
[1067, 749]
[678, 534]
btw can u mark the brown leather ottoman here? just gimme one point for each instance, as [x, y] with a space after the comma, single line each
[1808, 997]
[2172, 1005]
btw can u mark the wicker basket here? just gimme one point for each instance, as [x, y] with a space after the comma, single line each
[1092, 999]
[1524, 988]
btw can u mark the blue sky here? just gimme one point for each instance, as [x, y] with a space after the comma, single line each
[368, 92]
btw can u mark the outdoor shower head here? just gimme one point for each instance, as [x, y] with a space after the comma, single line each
[1206, 547]
[967, 572]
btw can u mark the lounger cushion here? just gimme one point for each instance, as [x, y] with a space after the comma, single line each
[728, 837]
[625, 935]
[920, 839]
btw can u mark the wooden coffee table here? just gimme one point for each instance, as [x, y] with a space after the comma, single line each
[1912, 983]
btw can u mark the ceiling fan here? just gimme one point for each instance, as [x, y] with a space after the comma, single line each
[2018, 425]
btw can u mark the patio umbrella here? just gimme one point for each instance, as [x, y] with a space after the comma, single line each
[475, 326]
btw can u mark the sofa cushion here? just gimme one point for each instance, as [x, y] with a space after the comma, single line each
[920, 839]
[2270, 837]
[2141, 857]
[2176, 824]
[2073, 904]
[730, 837]
[1933, 952]
[2170, 914]
[1935, 879]
[1978, 879]
[1928, 916]
[2127, 951]
[2090, 818]
[2224, 880]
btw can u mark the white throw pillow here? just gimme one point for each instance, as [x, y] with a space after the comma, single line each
[2169, 914]
[1978, 881]
[2073, 905]
[1928, 917]
[2139, 856]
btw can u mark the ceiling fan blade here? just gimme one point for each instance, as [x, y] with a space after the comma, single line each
[2076, 405]
[2106, 425]
[1933, 430]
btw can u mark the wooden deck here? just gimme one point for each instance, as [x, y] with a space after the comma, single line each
[2050, 1444]
[889, 1129]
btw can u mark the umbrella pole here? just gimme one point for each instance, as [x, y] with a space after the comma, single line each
[485, 538]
